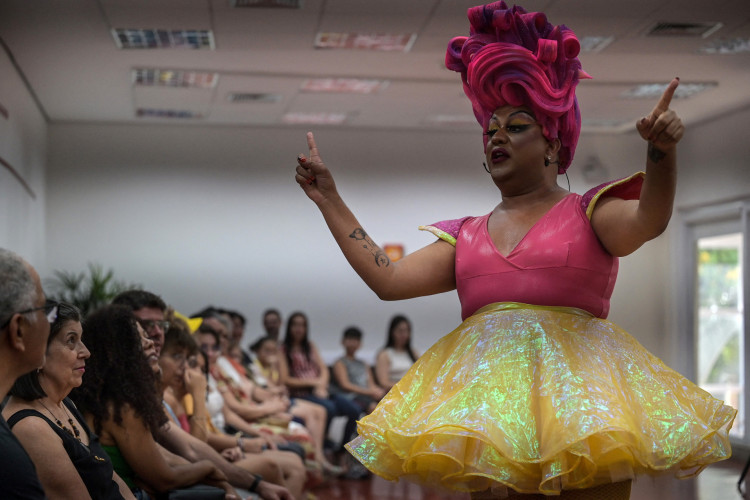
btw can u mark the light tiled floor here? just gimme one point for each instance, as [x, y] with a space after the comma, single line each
[718, 482]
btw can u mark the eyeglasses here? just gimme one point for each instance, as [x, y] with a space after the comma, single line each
[50, 311]
[151, 325]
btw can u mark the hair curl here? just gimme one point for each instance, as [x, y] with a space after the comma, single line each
[117, 373]
[517, 58]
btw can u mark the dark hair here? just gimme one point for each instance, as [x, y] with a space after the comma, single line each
[390, 342]
[271, 311]
[27, 386]
[305, 344]
[138, 299]
[117, 373]
[178, 336]
[237, 315]
[256, 346]
[204, 328]
[206, 312]
[353, 333]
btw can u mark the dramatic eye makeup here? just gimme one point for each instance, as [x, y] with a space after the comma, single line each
[518, 121]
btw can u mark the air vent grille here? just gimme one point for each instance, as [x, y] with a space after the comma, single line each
[273, 4]
[167, 113]
[240, 97]
[702, 30]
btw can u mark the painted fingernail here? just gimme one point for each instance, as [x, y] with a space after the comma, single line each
[301, 159]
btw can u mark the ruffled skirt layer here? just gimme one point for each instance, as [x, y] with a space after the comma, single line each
[540, 400]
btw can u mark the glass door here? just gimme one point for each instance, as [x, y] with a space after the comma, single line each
[718, 317]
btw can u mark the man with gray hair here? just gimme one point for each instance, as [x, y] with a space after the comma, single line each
[25, 317]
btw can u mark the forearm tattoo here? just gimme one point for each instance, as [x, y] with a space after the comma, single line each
[381, 259]
[654, 154]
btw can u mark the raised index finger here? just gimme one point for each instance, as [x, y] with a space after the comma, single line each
[666, 97]
[314, 155]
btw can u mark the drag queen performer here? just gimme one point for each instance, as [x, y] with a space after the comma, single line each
[535, 394]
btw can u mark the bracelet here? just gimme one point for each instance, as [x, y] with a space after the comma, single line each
[253, 487]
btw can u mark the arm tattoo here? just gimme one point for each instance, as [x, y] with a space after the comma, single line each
[655, 155]
[381, 259]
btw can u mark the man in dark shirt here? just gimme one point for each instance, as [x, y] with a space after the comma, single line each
[25, 317]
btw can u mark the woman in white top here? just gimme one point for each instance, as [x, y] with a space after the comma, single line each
[395, 359]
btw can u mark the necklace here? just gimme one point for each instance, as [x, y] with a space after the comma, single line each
[75, 432]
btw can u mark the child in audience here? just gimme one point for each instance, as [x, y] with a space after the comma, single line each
[353, 377]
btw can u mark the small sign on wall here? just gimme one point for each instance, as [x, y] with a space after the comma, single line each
[394, 251]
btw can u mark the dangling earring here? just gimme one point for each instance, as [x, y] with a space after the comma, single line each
[485, 167]
[547, 159]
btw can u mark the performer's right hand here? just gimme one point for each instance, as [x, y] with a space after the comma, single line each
[313, 176]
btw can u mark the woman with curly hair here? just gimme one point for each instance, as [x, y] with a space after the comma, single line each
[119, 400]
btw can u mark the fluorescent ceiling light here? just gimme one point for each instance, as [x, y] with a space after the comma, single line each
[174, 78]
[733, 46]
[655, 90]
[365, 41]
[315, 118]
[595, 43]
[167, 113]
[343, 85]
[163, 39]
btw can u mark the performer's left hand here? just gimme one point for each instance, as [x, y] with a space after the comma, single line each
[662, 127]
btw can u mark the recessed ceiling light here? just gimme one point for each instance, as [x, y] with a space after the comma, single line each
[595, 43]
[343, 85]
[253, 97]
[315, 118]
[452, 120]
[365, 41]
[655, 90]
[167, 113]
[733, 46]
[163, 39]
[174, 78]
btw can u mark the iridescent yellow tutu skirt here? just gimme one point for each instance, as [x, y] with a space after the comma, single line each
[538, 400]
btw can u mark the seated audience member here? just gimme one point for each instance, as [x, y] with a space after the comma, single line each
[150, 310]
[270, 414]
[395, 359]
[120, 401]
[180, 381]
[303, 371]
[264, 368]
[23, 339]
[68, 457]
[353, 377]
[272, 323]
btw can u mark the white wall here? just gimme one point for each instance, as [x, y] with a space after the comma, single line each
[214, 217]
[23, 142]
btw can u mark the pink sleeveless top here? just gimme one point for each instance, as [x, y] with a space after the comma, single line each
[559, 262]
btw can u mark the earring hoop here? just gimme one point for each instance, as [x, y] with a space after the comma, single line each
[485, 167]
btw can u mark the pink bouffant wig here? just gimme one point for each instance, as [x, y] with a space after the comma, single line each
[517, 58]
